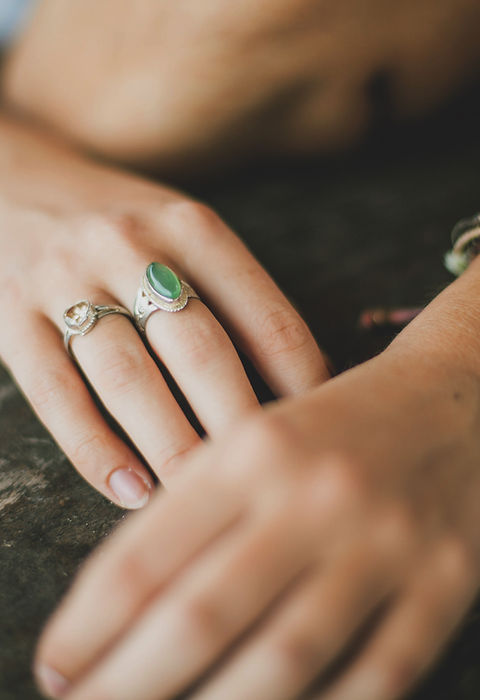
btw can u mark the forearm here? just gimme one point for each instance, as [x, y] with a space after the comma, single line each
[133, 97]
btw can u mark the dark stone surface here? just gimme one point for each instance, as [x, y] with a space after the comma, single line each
[358, 232]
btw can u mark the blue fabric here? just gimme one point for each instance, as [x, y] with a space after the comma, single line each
[13, 15]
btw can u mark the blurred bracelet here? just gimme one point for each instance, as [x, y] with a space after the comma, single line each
[465, 245]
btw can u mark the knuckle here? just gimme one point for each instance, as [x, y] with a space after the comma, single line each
[11, 291]
[458, 562]
[61, 257]
[263, 440]
[399, 677]
[266, 436]
[192, 213]
[193, 218]
[171, 462]
[201, 344]
[342, 482]
[398, 529]
[118, 232]
[119, 367]
[204, 618]
[95, 688]
[43, 389]
[87, 450]
[100, 691]
[283, 332]
[298, 654]
[131, 575]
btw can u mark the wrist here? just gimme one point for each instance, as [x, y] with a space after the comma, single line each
[39, 171]
[446, 334]
[35, 169]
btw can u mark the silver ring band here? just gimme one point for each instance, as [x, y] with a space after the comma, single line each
[150, 298]
[83, 316]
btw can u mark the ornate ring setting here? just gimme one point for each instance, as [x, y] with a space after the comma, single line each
[161, 290]
[83, 316]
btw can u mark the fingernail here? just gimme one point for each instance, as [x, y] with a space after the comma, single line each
[131, 490]
[50, 681]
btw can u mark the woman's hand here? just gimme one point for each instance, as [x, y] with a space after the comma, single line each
[184, 83]
[340, 526]
[72, 230]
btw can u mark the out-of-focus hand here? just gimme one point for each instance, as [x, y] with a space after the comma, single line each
[344, 520]
[181, 82]
[72, 230]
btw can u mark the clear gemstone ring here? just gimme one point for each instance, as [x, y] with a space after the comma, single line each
[83, 316]
[161, 290]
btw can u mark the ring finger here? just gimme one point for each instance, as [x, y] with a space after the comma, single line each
[201, 357]
[129, 384]
[63, 403]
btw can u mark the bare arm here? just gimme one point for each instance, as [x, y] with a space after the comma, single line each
[179, 83]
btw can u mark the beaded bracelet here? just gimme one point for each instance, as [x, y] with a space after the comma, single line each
[465, 245]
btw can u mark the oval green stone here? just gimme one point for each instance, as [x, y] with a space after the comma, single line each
[164, 281]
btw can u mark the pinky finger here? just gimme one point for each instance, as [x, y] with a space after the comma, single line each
[63, 403]
[412, 634]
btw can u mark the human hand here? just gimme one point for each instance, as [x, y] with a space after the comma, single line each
[73, 230]
[341, 525]
[184, 84]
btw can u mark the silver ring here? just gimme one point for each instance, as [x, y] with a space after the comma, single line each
[161, 290]
[83, 316]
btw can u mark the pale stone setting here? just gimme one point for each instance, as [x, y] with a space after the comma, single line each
[80, 317]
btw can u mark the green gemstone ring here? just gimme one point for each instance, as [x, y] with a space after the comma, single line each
[161, 290]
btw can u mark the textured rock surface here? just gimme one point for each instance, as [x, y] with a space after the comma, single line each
[339, 237]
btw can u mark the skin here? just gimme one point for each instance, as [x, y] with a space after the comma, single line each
[182, 85]
[371, 478]
[79, 230]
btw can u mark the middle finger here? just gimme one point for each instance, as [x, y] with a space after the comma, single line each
[200, 356]
[202, 359]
